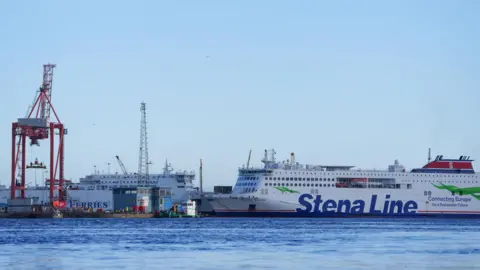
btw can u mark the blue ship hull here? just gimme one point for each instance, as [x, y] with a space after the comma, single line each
[250, 214]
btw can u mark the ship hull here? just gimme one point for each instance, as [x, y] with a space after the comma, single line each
[93, 199]
[273, 214]
[346, 203]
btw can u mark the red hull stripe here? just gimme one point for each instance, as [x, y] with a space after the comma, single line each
[450, 211]
[263, 211]
[290, 211]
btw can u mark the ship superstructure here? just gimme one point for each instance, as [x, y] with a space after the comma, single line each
[443, 187]
[96, 190]
[180, 182]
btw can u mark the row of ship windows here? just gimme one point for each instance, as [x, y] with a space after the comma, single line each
[245, 184]
[127, 182]
[136, 177]
[403, 181]
[299, 185]
[370, 180]
[300, 179]
[311, 185]
[111, 187]
[383, 174]
[308, 185]
[439, 181]
[397, 186]
[123, 186]
[134, 184]
[141, 182]
[242, 178]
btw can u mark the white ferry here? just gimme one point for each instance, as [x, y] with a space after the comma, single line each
[442, 188]
[96, 190]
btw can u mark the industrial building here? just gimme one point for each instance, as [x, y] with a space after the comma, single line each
[142, 199]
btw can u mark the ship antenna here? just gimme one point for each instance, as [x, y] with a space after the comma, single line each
[248, 160]
[143, 153]
[201, 177]
[166, 168]
[429, 155]
[265, 157]
[273, 155]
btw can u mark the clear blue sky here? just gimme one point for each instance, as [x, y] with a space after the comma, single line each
[340, 82]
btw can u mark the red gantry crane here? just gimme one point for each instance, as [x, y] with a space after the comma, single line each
[38, 126]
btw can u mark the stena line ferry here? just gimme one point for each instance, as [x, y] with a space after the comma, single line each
[442, 188]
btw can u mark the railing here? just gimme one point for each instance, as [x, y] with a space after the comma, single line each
[95, 175]
[321, 169]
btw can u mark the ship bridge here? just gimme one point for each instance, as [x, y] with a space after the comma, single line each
[250, 178]
[253, 171]
[270, 164]
[334, 168]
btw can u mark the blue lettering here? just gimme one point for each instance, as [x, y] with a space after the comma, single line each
[373, 203]
[463, 199]
[358, 207]
[318, 201]
[329, 204]
[343, 203]
[396, 204]
[410, 207]
[317, 205]
[385, 204]
[96, 204]
[305, 203]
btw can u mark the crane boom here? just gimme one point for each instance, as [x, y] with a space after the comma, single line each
[47, 87]
[120, 163]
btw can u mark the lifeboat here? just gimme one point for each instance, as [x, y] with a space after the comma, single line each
[359, 180]
[59, 204]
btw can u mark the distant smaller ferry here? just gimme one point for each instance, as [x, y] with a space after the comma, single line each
[96, 190]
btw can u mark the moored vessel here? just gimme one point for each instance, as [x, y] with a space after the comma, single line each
[95, 191]
[442, 188]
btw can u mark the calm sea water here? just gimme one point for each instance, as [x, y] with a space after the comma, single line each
[294, 244]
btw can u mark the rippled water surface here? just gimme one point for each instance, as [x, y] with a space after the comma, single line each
[294, 244]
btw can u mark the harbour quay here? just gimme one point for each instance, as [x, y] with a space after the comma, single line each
[128, 202]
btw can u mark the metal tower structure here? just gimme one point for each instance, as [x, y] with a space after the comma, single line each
[143, 163]
[47, 86]
[201, 177]
[37, 126]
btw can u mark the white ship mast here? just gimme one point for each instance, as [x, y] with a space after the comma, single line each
[168, 168]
